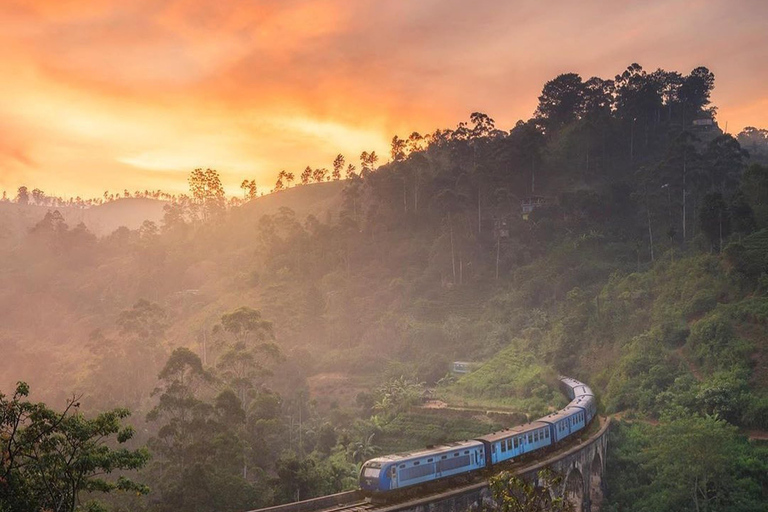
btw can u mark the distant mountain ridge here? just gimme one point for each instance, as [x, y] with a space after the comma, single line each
[319, 199]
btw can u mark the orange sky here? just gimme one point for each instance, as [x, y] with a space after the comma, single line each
[107, 94]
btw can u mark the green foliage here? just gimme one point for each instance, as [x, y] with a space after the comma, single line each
[513, 378]
[51, 459]
[409, 431]
[692, 463]
[513, 494]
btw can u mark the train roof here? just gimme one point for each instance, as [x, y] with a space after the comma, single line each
[435, 450]
[582, 390]
[580, 401]
[559, 415]
[570, 381]
[513, 431]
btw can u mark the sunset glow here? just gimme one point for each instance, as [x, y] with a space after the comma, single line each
[105, 95]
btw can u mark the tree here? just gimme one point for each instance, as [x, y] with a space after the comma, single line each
[22, 195]
[38, 196]
[755, 141]
[49, 458]
[338, 166]
[180, 406]
[560, 103]
[279, 185]
[741, 214]
[243, 363]
[724, 163]
[513, 494]
[306, 176]
[397, 149]
[694, 92]
[319, 175]
[681, 161]
[714, 219]
[368, 162]
[754, 185]
[200, 442]
[207, 192]
[690, 460]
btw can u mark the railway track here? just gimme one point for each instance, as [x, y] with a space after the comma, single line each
[353, 501]
[361, 506]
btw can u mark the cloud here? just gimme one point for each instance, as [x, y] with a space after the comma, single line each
[131, 94]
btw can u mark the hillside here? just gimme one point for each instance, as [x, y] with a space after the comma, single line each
[641, 272]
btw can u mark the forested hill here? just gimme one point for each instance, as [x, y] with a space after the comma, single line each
[618, 236]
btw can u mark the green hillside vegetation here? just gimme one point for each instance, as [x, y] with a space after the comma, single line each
[640, 271]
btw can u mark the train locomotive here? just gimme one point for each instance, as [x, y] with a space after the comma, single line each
[390, 475]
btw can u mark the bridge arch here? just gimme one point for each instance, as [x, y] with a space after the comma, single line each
[573, 489]
[596, 482]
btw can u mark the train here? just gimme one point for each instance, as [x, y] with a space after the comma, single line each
[391, 475]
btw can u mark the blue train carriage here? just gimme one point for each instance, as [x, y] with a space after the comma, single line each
[563, 423]
[587, 403]
[516, 441]
[569, 385]
[392, 472]
[582, 390]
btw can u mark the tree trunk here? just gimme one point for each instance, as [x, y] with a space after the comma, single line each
[685, 169]
[479, 226]
[453, 255]
[650, 230]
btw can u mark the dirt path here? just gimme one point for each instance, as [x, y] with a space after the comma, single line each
[756, 435]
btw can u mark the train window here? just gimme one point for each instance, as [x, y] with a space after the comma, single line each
[466, 452]
[456, 454]
[536, 436]
[402, 465]
[530, 438]
[430, 460]
[416, 463]
[503, 447]
[546, 434]
[444, 457]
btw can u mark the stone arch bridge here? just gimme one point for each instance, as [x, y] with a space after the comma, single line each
[581, 467]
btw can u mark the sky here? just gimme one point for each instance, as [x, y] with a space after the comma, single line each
[110, 94]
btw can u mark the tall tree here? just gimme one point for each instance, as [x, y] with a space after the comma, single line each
[560, 103]
[338, 166]
[306, 176]
[725, 161]
[49, 458]
[22, 195]
[207, 192]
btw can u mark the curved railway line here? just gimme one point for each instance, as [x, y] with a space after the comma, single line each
[563, 444]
